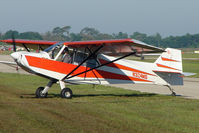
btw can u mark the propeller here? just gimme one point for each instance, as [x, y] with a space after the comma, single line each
[13, 42]
[14, 48]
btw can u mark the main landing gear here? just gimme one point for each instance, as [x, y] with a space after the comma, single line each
[66, 93]
[39, 93]
[42, 92]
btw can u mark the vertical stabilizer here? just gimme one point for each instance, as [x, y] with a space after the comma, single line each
[170, 61]
[169, 66]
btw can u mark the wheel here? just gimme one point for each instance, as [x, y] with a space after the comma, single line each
[173, 94]
[39, 94]
[66, 93]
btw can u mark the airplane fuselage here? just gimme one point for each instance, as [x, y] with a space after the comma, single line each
[122, 71]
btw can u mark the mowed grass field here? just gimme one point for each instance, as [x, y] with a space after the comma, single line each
[94, 109]
[191, 63]
[191, 66]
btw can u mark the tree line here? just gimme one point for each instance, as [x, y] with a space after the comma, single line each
[87, 33]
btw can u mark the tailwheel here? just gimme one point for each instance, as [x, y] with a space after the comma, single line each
[172, 90]
[39, 93]
[173, 94]
[66, 93]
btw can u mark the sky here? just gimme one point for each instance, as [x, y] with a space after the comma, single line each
[167, 17]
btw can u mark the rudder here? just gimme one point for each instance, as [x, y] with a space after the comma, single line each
[169, 66]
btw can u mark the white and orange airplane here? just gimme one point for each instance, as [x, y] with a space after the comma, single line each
[97, 62]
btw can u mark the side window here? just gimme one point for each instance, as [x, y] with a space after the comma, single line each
[91, 63]
[79, 57]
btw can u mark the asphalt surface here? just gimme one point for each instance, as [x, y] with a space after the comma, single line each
[9, 68]
[190, 89]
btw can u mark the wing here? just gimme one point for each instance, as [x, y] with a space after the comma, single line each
[110, 47]
[32, 44]
[115, 47]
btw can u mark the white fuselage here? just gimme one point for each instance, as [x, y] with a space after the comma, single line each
[122, 71]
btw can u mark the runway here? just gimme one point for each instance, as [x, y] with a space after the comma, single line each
[189, 90]
[9, 68]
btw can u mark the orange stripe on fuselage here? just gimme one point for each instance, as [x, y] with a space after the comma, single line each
[123, 67]
[166, 59]
[66, 68]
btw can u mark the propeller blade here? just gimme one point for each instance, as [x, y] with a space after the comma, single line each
[14, 48]
[13, 42]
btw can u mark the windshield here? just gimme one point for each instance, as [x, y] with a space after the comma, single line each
[59, 44]
[54, 49]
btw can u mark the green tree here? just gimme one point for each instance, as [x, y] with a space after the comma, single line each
[57, 31]
[158, 39]
[1, 35]
[75, 37]
[30, 35]
[8, 34]
[89, 33]
[139, 36]
[62, 33]
[66, 29]
[120, 35]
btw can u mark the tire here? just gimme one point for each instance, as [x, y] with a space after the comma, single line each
[39, 94]
[66, 93]
[173, 94]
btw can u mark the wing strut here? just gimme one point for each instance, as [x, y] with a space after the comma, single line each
[25, 47]
[92, 54]
[40, 48]
[132, 53]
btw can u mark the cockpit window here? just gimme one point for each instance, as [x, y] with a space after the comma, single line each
[91, 63]
[53, 46]
[61, 53]
[80, 56]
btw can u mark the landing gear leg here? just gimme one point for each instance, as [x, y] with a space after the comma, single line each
[42, 92]
[172, 90]
[65, 92]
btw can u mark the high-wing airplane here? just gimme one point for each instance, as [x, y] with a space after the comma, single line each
[96, 62]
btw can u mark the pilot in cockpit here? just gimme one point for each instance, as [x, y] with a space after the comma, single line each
[66, 57]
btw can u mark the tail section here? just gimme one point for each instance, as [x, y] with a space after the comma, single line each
[169, 66]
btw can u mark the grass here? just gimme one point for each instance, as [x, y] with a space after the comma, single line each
[190, 55]
[191, 66]
[94, 109]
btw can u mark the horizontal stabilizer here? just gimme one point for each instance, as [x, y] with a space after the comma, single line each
[188, 74]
